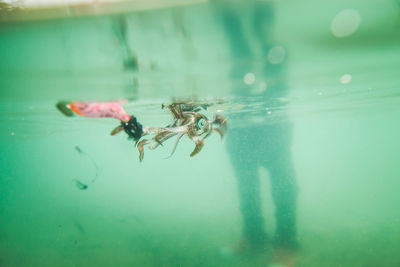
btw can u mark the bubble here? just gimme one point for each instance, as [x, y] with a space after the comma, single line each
[346, 78]
[263, 86]
[276, 54]
[259, 89]
[249, 78]
[345, 23]
[12, 133]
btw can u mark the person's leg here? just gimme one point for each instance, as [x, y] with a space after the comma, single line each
[283, 183]
[235, 33]
[263, 24]
[245, 166]
[277, 157]
[120, 30]
[284, 193]
[274, 55]
[232, 21]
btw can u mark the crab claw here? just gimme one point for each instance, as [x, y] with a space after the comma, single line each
[140, 146]
[197, 149]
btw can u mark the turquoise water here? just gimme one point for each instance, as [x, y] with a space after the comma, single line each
[343, 102]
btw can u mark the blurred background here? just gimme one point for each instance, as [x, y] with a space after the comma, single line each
[341, 67]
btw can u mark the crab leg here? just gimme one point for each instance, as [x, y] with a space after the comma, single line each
[140, 146]
[178, 129]
[173, 111]
[161, 137]
[197, 149]
[180, 112]
[162, 140]
[176, 143]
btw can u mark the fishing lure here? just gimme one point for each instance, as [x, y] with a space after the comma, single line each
[187, 121]
[94, 109]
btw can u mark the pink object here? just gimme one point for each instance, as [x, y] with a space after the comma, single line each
[99, 109]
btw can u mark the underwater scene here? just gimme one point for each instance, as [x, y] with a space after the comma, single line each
[200, 133]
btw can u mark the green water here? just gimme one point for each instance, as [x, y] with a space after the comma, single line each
[184, 211]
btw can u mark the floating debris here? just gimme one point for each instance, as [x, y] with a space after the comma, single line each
[79, 227]
[80, 185]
